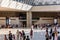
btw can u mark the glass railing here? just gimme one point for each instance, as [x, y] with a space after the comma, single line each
[40, 2]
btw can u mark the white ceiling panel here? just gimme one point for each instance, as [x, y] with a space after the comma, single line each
[5, 3]
[12, 4]
[19, 5]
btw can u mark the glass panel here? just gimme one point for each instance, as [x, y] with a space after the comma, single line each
[40, 2]
[19, 6]
[16, 5]
[22, 6]
[0, 0]
[5, 3]
[26, 7]
[12, 4]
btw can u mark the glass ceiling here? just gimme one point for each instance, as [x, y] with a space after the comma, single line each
[15, 5]
[40, 2]
[26, 5]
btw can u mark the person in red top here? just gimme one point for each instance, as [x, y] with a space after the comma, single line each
[20, 35]
[31, 33]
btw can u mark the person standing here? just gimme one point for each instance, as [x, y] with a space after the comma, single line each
[20, 35]
[5, 38]
[47, 29]
[56, 34]
[31, 33]
[47, 36]
[10, 35]
[32, 26]
[13, 37]
[23, 35]
[51, 33]
[27, 38]
[17, 34]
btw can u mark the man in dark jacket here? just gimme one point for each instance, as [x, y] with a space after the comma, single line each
[27, 38]
[23, 35]
[10, 35]
[51, 33]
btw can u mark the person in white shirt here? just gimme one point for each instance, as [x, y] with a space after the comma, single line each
[17, 33]
[32, 26]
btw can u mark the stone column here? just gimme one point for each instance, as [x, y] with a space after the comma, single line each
[29, 19]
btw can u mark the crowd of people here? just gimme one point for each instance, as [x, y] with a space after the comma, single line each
[20, 35]
[52, 34]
